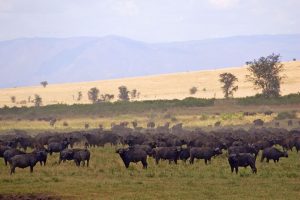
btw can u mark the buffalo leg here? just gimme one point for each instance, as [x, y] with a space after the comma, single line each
[236, 170]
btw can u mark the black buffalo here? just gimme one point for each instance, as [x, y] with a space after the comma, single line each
[43, 154]
[241, 160]
[24, 160]
[205, 153]
[81, 155]
[8, 154]
[135, 155]
[57, 146]
[272, 153]
[184, 154]
[166, 153]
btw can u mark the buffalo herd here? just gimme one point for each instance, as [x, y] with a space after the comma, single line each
[162, 143]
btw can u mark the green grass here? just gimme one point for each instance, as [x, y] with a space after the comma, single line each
[189, 121]
[138, 107]
[107, 178]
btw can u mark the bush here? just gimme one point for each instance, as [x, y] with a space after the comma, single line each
[286, 115]
[260, 100]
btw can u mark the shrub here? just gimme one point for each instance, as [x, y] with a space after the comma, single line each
[286, 115]
[193, 90]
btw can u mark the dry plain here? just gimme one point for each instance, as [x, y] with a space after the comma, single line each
[168, 86]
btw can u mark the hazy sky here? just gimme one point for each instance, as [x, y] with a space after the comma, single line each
[148, 20]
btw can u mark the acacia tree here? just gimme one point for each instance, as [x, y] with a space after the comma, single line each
[44, 83]
[133, 93]
[37, 100]
[13, 99]
[265, 74]
[228, 80]
[79, 96]
[93, 94]
[123, 93]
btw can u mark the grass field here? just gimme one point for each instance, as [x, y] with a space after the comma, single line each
[169, 86]
[107, 178]
[189, 121]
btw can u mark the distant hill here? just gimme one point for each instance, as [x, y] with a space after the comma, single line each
[28, 61]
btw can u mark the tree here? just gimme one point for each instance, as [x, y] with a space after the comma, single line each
[265, 74]
[228, 80]
[93, 94]
[133, 94]
[79, 96]
[107, 97]
[13, 99]
[37, 100]
[44, 83]
[123, 93]
[193, 90]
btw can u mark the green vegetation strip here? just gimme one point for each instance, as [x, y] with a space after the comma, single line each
[107, 178]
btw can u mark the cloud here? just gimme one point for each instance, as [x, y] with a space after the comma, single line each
[224, 4]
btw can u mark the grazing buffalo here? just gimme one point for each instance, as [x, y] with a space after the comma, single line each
[184, 154]
[3, 149]
[8, 154]
[43, 154]
[166, 153]
[205, 153]
[81, 155]
[241, 160]
[135, 155]
[24, 160]
[66, 154]
[57, 146]
[272, 153]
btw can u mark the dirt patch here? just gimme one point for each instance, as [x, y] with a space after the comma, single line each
[28, 197]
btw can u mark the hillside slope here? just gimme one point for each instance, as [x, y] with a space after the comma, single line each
[167, 86]
[29, 61]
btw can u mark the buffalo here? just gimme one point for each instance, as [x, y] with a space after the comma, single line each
[57, 146]
[24, 160]
[81, 155]
[272, 153]
[205, 153]
[135, 155]
[166, 153]
[8, 154]
[241, 160]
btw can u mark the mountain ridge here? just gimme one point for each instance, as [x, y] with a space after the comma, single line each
[80, 59]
